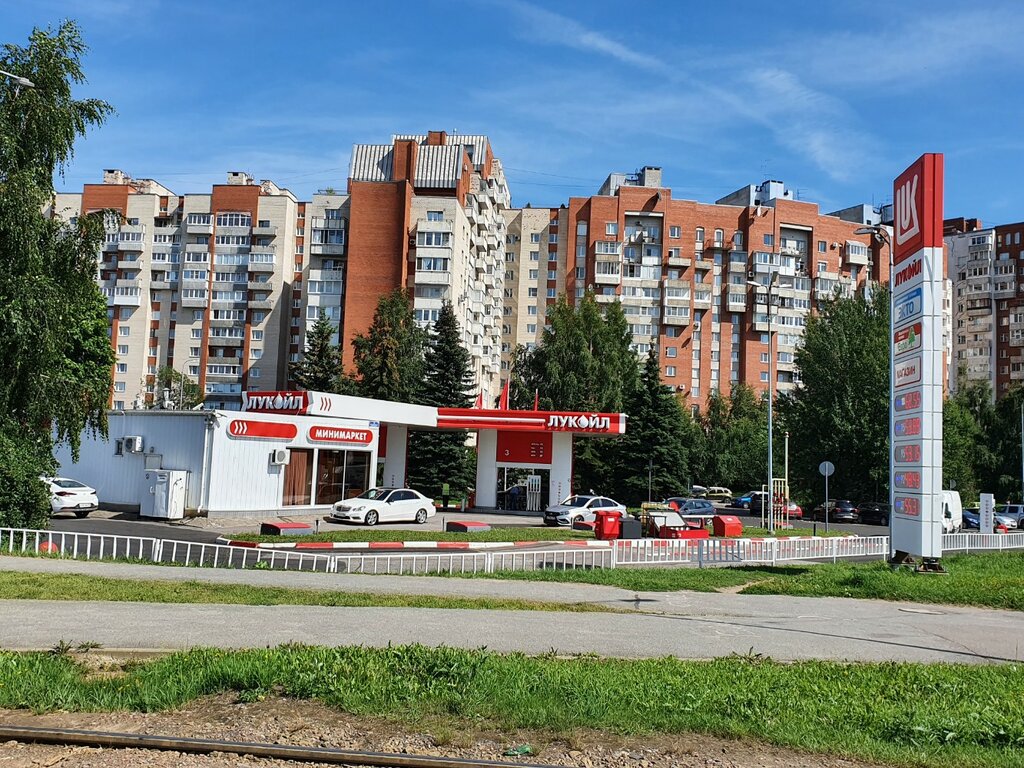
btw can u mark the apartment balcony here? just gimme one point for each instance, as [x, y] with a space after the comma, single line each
[825, 276]
[1006, 291]
[160, 285]
[259, 285]
[716, 245]
[166, 248]
[132, 246]
[703, 264]
[327, 274]
[260, 303]
[225, 377]
[199, 229]
[193, 301]
[983, 375]
[264, 231]
[234, 230]
[110, 247]
[431, 225]
[431, 277]
[858, 259]
[225, 341]
[737, 302]
[215, 323]
[793, 249]
[320, 222]
[261, 266]
[675, 320]
[679, 261]
[702, 299]
[125, 297]
[605, 299]
[327, 249]
[978, 306]
[230, 249]
[198, 248]
[1016, 341]
[170, 229]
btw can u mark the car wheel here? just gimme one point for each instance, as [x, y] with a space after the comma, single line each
[745, 505]
[371, 518]
[421, 516]
[883, 520]
[577, 519]
[80, 513]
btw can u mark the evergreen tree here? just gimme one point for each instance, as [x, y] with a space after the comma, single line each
[737, 439]
[442, 457]
[55, 351]
[841, 412]
[389, 356]
[321, 368]
[652, 448]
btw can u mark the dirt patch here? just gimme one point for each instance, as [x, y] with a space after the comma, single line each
[735, 589]
[308, 723]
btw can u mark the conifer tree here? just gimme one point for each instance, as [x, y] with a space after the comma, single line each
[389, 356]
[321, 368]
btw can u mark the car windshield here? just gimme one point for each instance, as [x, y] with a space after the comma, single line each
[374, 493]
[62, 482]
[576, 501]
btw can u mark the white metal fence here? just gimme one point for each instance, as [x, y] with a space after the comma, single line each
[638, 552]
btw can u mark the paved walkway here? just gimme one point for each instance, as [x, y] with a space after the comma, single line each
[683, 624]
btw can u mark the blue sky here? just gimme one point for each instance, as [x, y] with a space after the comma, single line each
[834, 98]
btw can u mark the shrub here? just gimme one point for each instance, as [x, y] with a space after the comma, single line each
[24, 498]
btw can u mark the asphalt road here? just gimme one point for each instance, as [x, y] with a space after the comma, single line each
[686, 624]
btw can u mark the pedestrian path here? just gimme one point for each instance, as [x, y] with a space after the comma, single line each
[683, 624]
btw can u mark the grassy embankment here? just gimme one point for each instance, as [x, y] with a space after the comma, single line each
[902, 714]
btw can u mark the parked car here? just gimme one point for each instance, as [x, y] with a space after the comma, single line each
[874, 512]
[972, 520]
[719, 493]
[756, 503]
[744, 501]
[1016, 511]
[686, 506]
[579, 509]
[839, 511]
[67, 495]
[384, 505]
[698, 492]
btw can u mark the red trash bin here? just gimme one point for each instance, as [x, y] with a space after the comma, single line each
[609, 524]
[726, 525]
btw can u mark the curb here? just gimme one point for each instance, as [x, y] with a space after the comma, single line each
[478, 545]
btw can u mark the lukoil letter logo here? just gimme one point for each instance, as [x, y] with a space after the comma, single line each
[907, 220]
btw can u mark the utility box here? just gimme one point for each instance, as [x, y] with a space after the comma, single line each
[609, 524]
[726, 525]
[164, 497]
[631, 528]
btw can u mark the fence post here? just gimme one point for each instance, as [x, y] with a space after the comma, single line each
[700, 552]
[615, 554]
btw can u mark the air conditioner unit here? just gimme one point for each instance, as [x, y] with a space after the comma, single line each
[133, 444]
[279, 457]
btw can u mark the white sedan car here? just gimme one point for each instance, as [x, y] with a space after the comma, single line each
[384, 505]
[67, 495]
[581, 509]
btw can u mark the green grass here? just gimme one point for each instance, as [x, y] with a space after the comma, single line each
[16, 585]
[992, 580]
[903, 714]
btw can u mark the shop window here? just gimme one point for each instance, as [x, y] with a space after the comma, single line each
[357, 473]
[330, 476]
[298, 478]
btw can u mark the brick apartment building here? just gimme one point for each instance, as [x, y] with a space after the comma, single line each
[987, 267]
[222, 286]
[682, 270]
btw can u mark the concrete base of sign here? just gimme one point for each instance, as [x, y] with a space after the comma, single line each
[466, 526]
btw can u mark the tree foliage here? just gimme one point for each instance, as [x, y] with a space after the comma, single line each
[55, 352]
[182, 393]
[442, 457]
[653, 455]
[841, 413]
[389, 356]
[321, 368]
[736, 433]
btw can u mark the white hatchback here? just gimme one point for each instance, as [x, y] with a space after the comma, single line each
[67, 495]
[384, 505]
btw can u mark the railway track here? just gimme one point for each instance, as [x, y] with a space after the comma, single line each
[109, 740]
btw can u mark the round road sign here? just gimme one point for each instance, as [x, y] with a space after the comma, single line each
[827, 468]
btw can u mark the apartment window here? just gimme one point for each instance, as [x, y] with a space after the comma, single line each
[552, 293]
[822, 267]
[699, 235]
[118, 406]
[552, 256]
[124, 330]
[719, 236]
[670, 351]
[769, 239]
[822, 246]
[737, 239]
[255, 353]
[534, 255]
[234, 220]
[581, 229]
[122, 367]
[122, 349]
[193, 351]
[764, 357]
[119, 386]
[435, 215]
[674, 232]
[531, 328]
[611, 228]
[670, 371]
[254, 373]
[535, 237]
[197, 333]
[434, 239]
[552, 237]
[581, 273]
[533, 274]
[532, 309]
[126, 313]
[257, 335]
[531, 293]
[552, 274]
[198, 218]
[764, 375]
[510, 256]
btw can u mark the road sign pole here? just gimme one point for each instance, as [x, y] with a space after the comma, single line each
[826, 503]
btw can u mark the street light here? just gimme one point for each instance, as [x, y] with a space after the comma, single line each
[770, 498]
[19, 81]
[881, 235]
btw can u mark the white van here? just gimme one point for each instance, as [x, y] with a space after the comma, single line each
[952, 512]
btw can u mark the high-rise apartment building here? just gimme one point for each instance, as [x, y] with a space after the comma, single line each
[201, 283]
[222, 286]
[987, 267]
[692, 277]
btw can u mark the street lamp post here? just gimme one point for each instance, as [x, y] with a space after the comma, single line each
[770, 498]
[181, 381]
[18, 80]
[881, 235]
